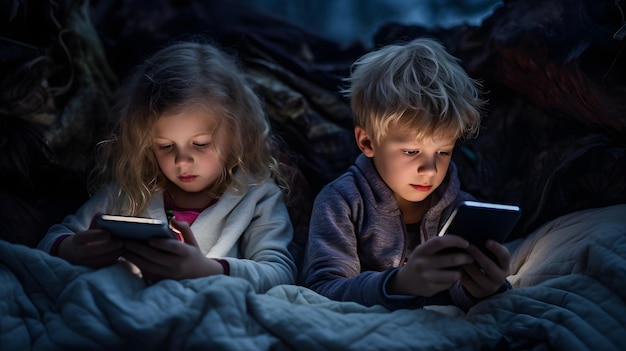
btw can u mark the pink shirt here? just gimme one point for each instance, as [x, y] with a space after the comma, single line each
[188, 215]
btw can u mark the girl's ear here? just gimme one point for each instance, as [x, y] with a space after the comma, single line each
[363, 141]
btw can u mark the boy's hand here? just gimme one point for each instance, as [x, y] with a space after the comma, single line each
[427, 271]
[93, 247]
[484, 277]
[171, 259]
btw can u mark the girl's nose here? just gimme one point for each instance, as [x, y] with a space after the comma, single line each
[183, 157]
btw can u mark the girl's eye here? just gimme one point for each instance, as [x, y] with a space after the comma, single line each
[201, 146]
[166, 147]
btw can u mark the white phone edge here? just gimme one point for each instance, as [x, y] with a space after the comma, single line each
[495, 206]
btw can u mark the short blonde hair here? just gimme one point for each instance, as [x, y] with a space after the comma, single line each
[418, 86]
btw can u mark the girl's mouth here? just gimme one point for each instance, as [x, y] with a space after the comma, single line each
[187, 178]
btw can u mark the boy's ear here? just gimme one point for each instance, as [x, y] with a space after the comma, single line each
[363, 141]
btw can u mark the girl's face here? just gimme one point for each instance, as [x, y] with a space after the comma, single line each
[183, 149]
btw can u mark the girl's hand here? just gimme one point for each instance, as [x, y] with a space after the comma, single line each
[93, 247]
[171, 259]
[184, 230]
[428, 271]
[484, 277]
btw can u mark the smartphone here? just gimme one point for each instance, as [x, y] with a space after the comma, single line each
[136, 228]
[478, 221]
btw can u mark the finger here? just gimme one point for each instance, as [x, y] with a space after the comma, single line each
[450, 257]
[479, 256]
[501, 252]
[477, 273]
[98, 255]
[150, 279]
[486, 262]
[485, 281]
[431, 269]
[93, 236]
[172, 247]
[159, 250]
[470, 284]
[185, 230]
[94, 221]
[100, 261]
[146, 258]
[145, 266]
[139, 248]
[436, 244]
[425, 284]
[444, 276]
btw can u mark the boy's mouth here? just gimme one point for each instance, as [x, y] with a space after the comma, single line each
[422, 187]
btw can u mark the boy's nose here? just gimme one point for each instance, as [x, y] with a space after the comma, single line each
[429, 167]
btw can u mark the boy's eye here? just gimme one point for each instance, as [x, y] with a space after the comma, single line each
[415, 152]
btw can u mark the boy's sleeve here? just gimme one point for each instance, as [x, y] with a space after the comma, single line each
[331, 265]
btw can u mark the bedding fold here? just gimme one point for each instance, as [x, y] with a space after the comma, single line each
[569, 280]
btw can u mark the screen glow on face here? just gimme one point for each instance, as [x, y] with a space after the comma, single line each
[183, 147]
[412, 168]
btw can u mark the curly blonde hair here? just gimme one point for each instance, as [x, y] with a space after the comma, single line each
[181, 76]
[417, 86]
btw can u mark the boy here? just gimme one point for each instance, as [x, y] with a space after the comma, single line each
[373, 233]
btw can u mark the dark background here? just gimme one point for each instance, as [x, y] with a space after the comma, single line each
[347, 21]
[553, 139]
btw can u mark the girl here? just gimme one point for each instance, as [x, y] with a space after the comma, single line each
[192, 146]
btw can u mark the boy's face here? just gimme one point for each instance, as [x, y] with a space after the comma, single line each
[412, 169]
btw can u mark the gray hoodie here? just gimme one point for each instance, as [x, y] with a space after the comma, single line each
[250, 230]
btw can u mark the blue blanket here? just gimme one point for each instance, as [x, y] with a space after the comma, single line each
[570, 292]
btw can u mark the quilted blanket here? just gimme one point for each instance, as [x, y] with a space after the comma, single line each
[569, 293]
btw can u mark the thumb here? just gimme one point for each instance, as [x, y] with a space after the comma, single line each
[185, 231]
[94, 221]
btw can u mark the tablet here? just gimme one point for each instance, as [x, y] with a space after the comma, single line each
[136, 228]
[477, 222]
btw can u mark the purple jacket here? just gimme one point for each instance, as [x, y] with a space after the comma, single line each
[357, 239]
